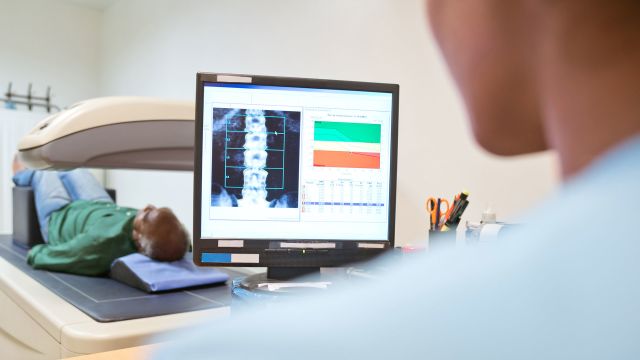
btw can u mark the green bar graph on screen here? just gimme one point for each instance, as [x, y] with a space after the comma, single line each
[346, 131]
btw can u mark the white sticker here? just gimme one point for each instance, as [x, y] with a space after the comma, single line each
[370, 246]
[245, 258]
[234, 79]
[231, 243]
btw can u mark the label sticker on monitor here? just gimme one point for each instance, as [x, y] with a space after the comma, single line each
[234, 79]
[370, 246]
[245, 258]
[231, 243]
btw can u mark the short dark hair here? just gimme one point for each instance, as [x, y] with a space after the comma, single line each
[169, 240]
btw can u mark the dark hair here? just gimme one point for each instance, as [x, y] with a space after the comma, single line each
[166, 238]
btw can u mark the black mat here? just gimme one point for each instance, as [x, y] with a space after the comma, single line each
[107, 300]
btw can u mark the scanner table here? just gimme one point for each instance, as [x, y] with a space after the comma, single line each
[37, 322]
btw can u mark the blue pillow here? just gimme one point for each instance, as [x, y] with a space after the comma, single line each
[140, 271]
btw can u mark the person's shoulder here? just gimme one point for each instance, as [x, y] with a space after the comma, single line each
[599, 202]
[111, 220]
[582, 237]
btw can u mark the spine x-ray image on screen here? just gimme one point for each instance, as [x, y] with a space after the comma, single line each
[255, 160]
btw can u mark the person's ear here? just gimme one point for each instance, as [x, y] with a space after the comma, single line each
[136, 239]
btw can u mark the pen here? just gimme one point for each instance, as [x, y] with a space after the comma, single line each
[456, 220]
[456, 199]
[458, 209]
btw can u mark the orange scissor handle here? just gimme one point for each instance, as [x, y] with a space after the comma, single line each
[436, 214]
[431, 205]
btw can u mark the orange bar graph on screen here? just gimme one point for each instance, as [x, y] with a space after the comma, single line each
[345, 159]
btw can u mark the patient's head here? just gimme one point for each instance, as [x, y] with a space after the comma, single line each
[159, 234]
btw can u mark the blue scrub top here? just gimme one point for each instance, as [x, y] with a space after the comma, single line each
[563, 287]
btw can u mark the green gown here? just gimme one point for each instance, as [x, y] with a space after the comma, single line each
[85, 237]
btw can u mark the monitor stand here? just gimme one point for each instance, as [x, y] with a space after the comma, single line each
[280, 280]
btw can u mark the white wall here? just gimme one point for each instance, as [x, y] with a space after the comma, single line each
[155, 47]
[13, 125]
[47, 43]
[50, 43]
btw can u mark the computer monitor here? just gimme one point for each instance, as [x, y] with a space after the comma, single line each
[293, 174]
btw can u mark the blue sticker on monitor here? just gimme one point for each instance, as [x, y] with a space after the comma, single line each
[215, 258]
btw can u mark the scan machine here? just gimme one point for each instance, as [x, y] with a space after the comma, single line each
[47, 315]
[290, 174]
[114, 132]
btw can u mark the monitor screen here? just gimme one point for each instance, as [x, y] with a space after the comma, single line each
[295, 163]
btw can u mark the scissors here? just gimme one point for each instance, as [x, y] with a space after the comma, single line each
[437, 209]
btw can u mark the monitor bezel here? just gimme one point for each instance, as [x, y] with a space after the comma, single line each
[346, 251]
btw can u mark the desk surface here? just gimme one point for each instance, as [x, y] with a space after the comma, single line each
[134, 353]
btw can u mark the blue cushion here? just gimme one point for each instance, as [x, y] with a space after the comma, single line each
[149, 275]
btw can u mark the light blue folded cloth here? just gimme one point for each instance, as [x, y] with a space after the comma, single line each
[149, 275]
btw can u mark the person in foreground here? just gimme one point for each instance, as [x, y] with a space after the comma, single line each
[534, 75]
[84, 230]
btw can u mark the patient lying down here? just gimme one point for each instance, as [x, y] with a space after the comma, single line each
[84, 230]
